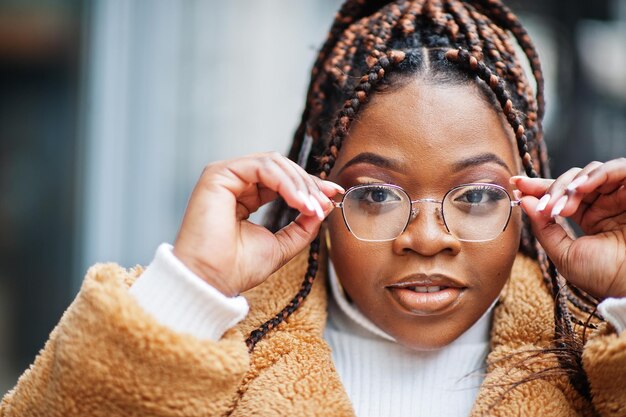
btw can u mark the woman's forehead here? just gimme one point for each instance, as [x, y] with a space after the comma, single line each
[426, 121]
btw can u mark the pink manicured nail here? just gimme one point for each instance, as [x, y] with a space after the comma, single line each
[577, 183]
[514, 178]
[541, 206]
[559, 206]
[306, 200]
[325, 200]
[318, 208]
[336, 186]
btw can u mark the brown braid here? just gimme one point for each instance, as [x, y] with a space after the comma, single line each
[309, 277]
[469, 63]
[380, 62]
[503, 16]
[373, 45]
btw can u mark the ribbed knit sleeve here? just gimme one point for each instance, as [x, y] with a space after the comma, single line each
[181, 300]
[614, 311]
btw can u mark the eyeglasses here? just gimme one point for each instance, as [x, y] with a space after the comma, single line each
[475, 212]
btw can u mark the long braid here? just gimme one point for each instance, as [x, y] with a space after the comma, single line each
[352, 106]
[565, 336]
[469, 62]
[379, 64]
[369, 42]
[468, 28]
[503, 16]
[295, 302]
[350, 11]
[328, 162]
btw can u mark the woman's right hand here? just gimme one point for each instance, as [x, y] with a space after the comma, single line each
[219, 244]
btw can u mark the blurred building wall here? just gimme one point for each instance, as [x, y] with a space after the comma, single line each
[174, 86]
[40, 70]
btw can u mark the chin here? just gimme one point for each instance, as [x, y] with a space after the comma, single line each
[427, 344]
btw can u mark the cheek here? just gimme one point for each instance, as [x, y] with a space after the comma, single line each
[495, 259]
[358, 264]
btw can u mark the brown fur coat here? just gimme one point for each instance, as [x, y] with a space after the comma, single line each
[107, 357]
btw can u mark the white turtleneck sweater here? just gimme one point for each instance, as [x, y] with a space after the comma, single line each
[381, 377]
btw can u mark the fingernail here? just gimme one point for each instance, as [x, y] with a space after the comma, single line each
[318, 208]
[325, 200]
[336, 186]
[543, 203]
[558, 207]
[514, 178]
[321, 194]
[577, 182]
[305, 200]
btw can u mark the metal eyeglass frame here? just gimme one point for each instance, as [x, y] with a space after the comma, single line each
[413, 212]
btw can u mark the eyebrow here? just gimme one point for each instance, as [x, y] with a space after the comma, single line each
[479, 159]
[373, 159]
[395, 165]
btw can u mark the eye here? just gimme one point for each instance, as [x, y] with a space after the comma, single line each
[377, 195]
[480, 195]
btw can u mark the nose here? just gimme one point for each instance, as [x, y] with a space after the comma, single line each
[426, 232]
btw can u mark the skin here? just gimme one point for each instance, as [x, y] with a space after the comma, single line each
[427, 129]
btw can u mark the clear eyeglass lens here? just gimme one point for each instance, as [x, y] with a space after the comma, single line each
[476, 212]
[376, 212]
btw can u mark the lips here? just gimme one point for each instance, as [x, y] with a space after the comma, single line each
[428, 280]
[426, 294]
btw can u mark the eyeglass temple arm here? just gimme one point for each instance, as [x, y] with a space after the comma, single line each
[337, 204]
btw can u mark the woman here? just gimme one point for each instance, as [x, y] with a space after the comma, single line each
[420, 144]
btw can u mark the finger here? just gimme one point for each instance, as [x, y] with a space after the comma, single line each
[329, 188]
[303, 187]
[248, 203]
[531, 186]
[551, 235]
[318, 200]
[315, 186]
[608, 212]
[294, 237]
[557, 196]
[605, 178]
[236, 176]
[553, 202]
[285, 164]
[607, 181]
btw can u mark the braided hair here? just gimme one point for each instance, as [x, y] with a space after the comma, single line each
[375, 45]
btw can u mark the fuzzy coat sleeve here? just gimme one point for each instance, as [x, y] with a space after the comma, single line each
[604, 360]
[108, 357]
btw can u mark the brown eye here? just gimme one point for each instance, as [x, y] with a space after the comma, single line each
[376, 195]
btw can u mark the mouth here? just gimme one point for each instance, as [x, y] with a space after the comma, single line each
[424, 294]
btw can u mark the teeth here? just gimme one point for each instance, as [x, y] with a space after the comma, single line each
[425, 289]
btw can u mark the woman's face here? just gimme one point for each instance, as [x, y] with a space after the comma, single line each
[427, 139]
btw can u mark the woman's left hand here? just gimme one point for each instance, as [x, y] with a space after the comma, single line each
[595, 198]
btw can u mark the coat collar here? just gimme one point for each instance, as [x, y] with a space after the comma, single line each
[523, 321]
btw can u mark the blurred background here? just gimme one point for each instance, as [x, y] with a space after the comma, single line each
[109, 109]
